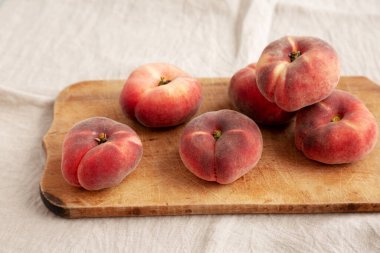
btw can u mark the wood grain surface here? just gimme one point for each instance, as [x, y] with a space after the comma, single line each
[284, 181]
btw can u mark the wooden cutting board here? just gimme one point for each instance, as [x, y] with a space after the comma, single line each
[284, 181]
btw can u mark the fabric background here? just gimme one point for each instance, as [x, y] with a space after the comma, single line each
[46, 45]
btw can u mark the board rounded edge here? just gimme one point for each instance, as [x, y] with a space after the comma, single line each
[54, 204]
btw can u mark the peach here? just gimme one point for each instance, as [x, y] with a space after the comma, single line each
[294, 72]
[160, 95]
[339, 129]
[220, 146]
[99, 153]
[247, 98]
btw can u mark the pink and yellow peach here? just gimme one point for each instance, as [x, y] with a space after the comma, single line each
[294, 72]
[221, 146]
[160, 95]
[339, 129]
[246, 97]
[99, 153]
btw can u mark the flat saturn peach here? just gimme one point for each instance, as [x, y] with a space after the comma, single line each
[99, 153]
[221, 146]
[294, 72]
[246, 97]
[160, 95]
[339, 129]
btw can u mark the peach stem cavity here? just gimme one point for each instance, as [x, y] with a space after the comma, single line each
[217, 134]
[163, 81]
[294, 55]
[336, 118]
[102, 138]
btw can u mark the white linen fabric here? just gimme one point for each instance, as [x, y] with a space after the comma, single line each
[47, 45]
